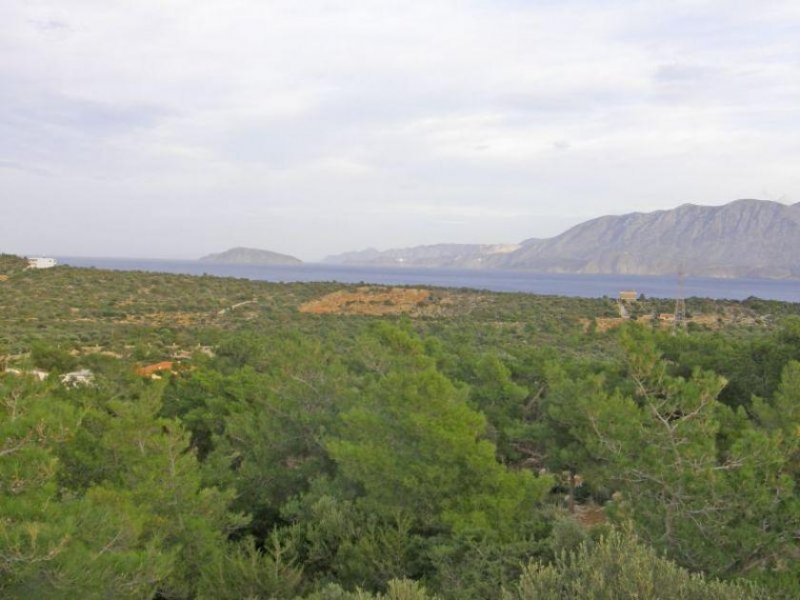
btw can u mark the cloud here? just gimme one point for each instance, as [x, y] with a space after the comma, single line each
[8, 164]
[251, 116]
[50, 25]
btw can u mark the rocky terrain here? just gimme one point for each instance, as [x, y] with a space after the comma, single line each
[745, 238]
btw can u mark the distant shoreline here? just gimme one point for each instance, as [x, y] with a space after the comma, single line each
[496, 280]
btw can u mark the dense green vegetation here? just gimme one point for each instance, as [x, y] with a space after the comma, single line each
[495, 446]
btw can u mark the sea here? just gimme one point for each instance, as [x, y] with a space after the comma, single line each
[585, 286]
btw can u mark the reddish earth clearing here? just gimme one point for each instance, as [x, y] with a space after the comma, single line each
[380, 301]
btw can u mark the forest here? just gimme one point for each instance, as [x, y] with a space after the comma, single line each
[170, 436]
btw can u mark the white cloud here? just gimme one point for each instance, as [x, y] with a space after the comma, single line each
[278, 120]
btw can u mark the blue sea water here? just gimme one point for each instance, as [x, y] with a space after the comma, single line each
[587, 286]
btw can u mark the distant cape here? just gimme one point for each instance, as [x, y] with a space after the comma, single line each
[250, 256]
[745, 238]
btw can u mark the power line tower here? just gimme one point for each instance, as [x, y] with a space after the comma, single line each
[680, 303]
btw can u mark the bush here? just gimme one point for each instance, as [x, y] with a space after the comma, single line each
[618, 567]
[52, 358]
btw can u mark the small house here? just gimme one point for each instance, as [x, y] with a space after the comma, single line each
[628, 296]
[41, 262]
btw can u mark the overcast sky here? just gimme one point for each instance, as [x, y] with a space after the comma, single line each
[174, 128]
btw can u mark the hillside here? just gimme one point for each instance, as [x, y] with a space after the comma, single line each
[435, 255]
[745, 238]
[10, 264]
[147, 413]
[251, 256]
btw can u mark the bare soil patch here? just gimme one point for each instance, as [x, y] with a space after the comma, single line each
[379, 301]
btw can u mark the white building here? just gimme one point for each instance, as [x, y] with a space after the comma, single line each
[41, 262]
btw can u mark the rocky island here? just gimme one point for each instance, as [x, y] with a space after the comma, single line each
[251, 256]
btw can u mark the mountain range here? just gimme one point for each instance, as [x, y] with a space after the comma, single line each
[435, 255]
[745, 238]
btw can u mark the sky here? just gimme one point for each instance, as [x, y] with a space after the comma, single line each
[176, 128]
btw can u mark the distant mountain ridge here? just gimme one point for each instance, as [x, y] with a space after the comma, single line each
[436, 255]
[251, 256]
[745, 238]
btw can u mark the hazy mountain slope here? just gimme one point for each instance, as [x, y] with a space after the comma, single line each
[437, 255]
[746, 238]
[743, 238]
[251, 256]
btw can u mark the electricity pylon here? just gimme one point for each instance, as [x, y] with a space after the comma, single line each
[680, 303]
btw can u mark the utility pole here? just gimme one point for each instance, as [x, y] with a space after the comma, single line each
[680, 303]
